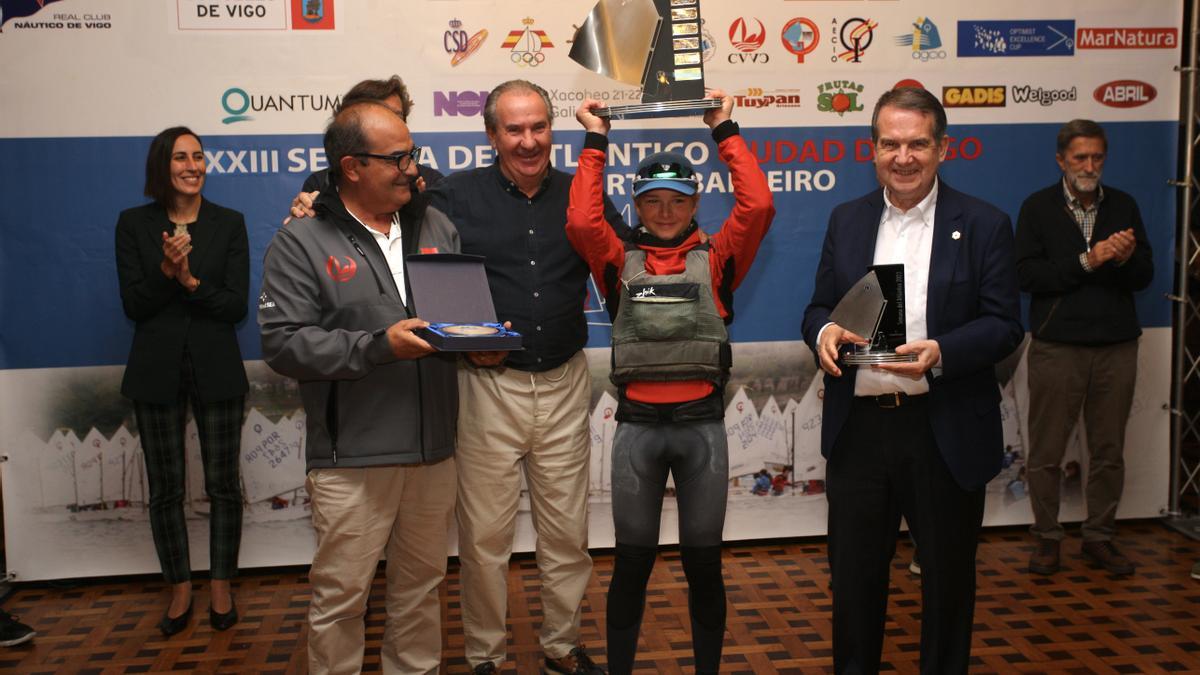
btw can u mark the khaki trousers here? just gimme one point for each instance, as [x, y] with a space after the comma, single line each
[1062, 379]
[359, 514]
[512, 420]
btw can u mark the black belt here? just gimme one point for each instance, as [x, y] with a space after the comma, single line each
[895, 399]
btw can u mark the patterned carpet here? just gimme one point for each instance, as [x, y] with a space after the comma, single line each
[1078, 621]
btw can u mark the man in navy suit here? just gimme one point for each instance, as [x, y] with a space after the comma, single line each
[917, 439]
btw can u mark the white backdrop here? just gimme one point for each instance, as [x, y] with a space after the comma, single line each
[86, 83]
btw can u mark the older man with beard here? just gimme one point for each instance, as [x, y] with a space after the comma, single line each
[1081, 254]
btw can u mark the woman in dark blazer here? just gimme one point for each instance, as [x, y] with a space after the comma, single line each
[184, 267]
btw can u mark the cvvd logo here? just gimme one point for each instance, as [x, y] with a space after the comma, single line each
[339, 272]
[236, 102]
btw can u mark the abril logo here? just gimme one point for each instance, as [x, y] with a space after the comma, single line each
[236, 102]
[455, 103]
[339, 272]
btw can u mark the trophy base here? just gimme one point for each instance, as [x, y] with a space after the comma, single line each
[873, 358]
[661, 109]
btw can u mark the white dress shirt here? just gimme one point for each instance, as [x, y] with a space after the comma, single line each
[904, 237]
[392, 246]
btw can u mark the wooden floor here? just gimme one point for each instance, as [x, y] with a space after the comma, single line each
[1079, 621]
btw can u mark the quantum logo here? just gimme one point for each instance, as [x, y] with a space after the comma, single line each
[236, 102]
[455, 103]
[339, 272]
[1125, 93]
[800, 37]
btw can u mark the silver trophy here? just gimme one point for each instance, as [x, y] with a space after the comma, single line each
[655, 44]
[874, 309]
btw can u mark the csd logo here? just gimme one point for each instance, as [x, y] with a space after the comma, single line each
[341, 272]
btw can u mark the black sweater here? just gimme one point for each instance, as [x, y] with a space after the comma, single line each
[1070, 304]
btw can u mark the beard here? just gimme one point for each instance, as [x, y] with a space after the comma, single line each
[1084, 183]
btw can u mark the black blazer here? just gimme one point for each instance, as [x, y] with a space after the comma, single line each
[168, 318]
[972, 310]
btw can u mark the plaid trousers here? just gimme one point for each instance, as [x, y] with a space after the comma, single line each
[162, 427]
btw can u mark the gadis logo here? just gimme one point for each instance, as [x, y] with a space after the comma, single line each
[341, 272]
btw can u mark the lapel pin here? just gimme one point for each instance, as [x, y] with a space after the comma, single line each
[956, 235]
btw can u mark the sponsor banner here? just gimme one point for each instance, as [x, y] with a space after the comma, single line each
[88, 82]
[1049, 37]
[1127, 38]
[232, 15]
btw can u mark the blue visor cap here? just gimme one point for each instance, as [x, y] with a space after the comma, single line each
[666, 171]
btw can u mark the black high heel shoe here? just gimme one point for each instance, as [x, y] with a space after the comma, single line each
[224, 621]
[172, 625]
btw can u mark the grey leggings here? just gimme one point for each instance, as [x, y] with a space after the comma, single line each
[697, 457]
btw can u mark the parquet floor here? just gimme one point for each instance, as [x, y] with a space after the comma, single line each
[1079, 621]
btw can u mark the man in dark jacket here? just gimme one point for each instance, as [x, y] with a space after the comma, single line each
[336, 314]
[1082, 252]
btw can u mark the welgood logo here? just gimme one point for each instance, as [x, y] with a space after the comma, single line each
[1050, 37]
[755, 97]
[852, 39]
[840, 96]
[1127, 38]
[800, 36]
[526, 45]
[312, 14]
[925, 40]
[1125, 93]
[458, 45]
[980, 96]
[339, 272]
[1043, 96]
[455, 103]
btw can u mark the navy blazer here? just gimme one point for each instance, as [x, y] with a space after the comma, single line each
[168, 318]
[973, 311]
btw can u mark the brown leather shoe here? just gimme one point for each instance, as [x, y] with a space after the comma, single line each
[1104, 554]
[1045, 559]
[577, 662]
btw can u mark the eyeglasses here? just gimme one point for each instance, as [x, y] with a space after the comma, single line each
[402, 160]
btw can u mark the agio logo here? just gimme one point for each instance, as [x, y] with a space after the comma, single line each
[839, 96]
[458, 45]
[312, 14]
[526, 45]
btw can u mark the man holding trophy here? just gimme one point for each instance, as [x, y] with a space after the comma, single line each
[914, 429]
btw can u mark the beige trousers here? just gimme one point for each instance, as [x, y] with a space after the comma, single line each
[359, 514]
[512, 420]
